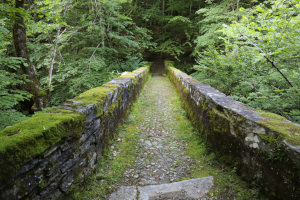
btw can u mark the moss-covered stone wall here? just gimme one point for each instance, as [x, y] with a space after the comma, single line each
[264, 147]
[45, 156]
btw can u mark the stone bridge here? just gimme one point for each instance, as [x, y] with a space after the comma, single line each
[49, 154]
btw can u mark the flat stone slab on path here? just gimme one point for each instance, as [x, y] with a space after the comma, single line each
[188, 189]
[125, 192]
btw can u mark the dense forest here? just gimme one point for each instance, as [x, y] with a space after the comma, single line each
[52, 50]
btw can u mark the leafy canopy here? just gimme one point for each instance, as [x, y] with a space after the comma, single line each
[258, 59]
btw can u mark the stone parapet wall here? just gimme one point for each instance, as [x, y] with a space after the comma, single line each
[263, 146]
[47, 155]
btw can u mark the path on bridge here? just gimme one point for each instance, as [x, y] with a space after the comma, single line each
[157, 145]
[161, 156]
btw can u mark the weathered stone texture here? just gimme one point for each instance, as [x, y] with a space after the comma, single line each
[235, 131]
[188, 189]
[125, 192]
[192, 189]
[60, 167]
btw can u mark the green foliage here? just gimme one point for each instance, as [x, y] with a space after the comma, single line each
[172, 22]
[97, 42]
[10, 95]
[171, 47]
[258, 59]
[9, 117]
[11, 81]
[211, 19]
[176, 25]
[187, 67]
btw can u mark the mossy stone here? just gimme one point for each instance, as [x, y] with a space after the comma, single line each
[31, 137]
[290, 131]
[94, 96]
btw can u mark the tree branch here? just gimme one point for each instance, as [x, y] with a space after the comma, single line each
[58, 35]
[267, 58]
[89, 66]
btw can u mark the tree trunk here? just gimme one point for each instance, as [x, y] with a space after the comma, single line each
[58, 35]
[191, 6]
[163, 7]
[19, 36]
[237, 5]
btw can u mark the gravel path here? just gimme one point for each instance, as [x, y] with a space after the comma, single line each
[161, 156]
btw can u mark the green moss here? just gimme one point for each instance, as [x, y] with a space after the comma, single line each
[22, 189]
[270, 139]
[110, 85]
[289, 131]
[58, 110]
[113, 107]
[42, 93]
[78, 176]
[169, 63]
[221, 120]
[186, 91]
[129, 75]
[94, 96]
[216, 112]
[42, 184]
[188, 77]
[33, 136]
[97, 97]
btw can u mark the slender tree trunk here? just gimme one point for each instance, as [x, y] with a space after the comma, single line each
[19, 36]
[171, 3]
[163, 7]
[58, 35]
[237, 5]
[103, 27]
[251, 4]
[191, 6]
